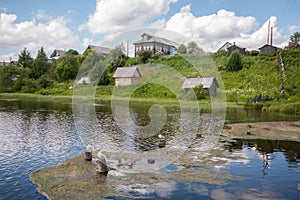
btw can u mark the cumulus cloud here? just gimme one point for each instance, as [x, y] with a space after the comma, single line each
[119, 15]
[212, 30]
[32, 35]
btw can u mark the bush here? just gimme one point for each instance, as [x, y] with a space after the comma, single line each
[234, 62]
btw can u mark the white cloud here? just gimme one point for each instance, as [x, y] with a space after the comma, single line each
[32, 35]
[212, 30]
[119, 15]
[292, 28]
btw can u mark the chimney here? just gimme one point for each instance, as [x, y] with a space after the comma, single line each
[233, 43]
[268, 33]
[271, 40]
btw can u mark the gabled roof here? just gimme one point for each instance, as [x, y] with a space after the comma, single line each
[151, 38]
[84, 80]
[99, 49]
[235, 46]
[207, 82]
[267, 45]
[127, 72]
[58, 53]
[225, 46]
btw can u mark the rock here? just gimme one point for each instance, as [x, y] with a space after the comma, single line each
[249, 133]
[151, 161]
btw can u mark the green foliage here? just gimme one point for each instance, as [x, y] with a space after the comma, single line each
[197, 93]
[66, 69]
[40, 64]
[144, 55]
[192, 48]
[25, 60]
[254, 53]
[234, 62]
[153, 91]
[182, 49]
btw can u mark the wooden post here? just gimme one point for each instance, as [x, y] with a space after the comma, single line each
[88, 155]
[161, 143]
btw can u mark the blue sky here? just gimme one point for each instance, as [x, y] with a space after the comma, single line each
[74, 24]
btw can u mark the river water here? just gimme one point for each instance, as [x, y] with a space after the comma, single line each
[41, 134]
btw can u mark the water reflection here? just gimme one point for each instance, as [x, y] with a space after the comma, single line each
[41, 134]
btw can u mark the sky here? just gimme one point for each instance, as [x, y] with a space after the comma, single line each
[74, 24]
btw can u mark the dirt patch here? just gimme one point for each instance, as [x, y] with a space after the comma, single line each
[265, 130]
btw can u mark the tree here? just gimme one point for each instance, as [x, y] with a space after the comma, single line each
[25, 59]
[72, 52]
[66, 69]
[144, 55]
[234, 62]
[40, 64]
[181, 49]
[294, 41]
[192, 48]
[295, 37]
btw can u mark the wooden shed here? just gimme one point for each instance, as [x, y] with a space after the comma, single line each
[210, 84]
[234, 47]
[126, 76]
[99, 49]
[267, 48]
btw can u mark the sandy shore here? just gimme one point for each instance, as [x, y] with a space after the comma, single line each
[265, 130]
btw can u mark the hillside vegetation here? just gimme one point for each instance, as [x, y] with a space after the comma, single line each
[257, 75]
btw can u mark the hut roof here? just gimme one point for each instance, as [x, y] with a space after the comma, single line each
[99, 49]
[58, 53]
[147, 38]
[267, 45]
[127, 72]
[207, 82]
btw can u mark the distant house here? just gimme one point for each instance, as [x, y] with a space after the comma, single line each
[84, 80]
[225, 46]
[126, 76]
[210, 84]
[56, 54]
[99, 49]
[267, 48]
[155, 44]
[234, 47]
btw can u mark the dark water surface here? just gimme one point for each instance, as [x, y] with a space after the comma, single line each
[41, 134]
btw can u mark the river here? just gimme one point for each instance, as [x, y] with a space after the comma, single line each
[39, 134]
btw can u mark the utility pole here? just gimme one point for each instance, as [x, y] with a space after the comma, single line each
[281, 87]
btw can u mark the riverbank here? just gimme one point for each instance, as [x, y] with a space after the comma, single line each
[204, 105]
[264, 130]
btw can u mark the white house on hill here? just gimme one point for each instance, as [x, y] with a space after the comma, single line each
[126, 76]
[210, 84]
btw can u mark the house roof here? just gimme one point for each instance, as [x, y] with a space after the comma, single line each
[84, 80]
[235, 46]
[207, 82]
[147, 38]
[127, 72]
[267, 45]
[58, 53]
[99, 49]
[225, 46]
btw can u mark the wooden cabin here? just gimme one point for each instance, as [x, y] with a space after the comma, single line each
[99, 49]
[56, 54]
[155, 44]
[210, 84]
[267, 48]
[234, 47]
[126, 76]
